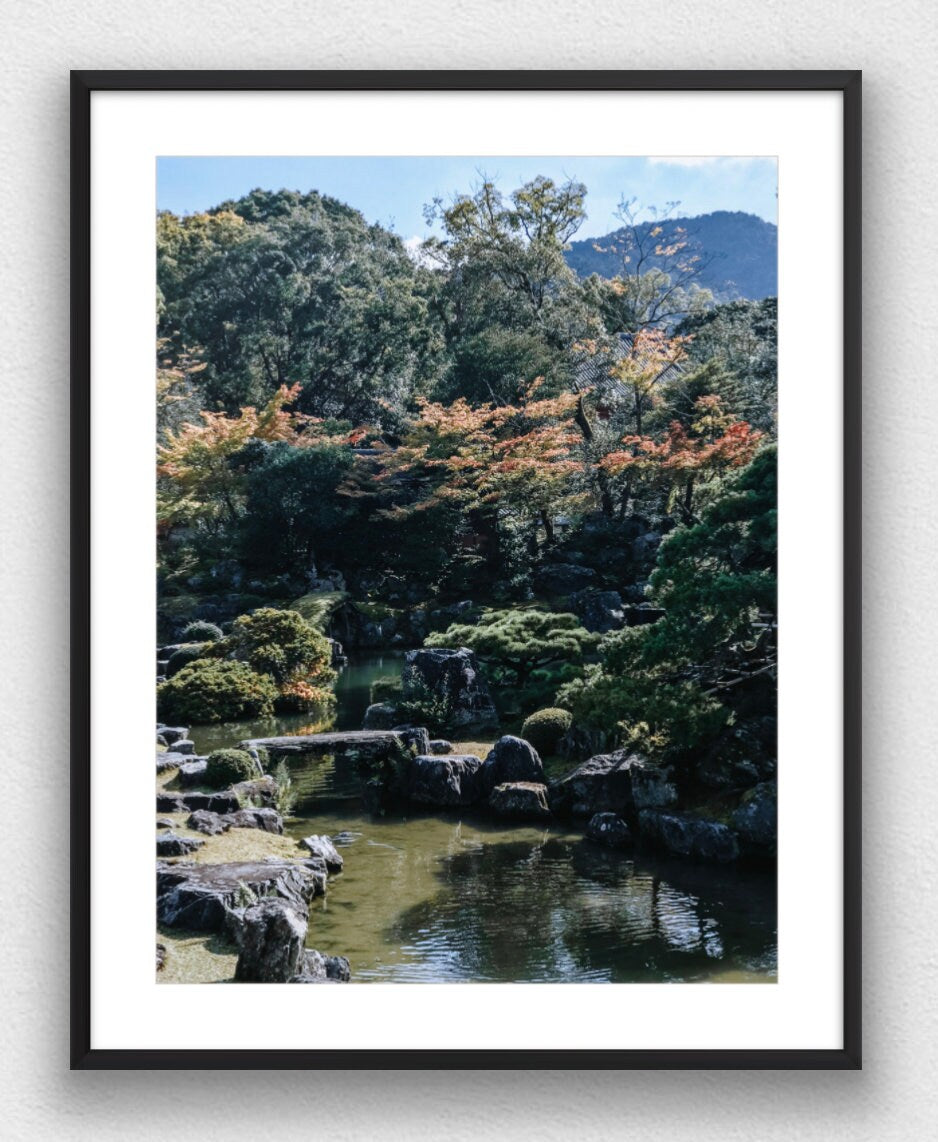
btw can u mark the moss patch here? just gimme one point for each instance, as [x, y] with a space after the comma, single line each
[193, 957]
[319, 607]
[376, 612]
[236, 844]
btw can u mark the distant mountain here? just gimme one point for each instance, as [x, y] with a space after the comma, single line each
[744, 249]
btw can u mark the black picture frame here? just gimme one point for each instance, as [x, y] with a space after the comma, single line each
[83, 85]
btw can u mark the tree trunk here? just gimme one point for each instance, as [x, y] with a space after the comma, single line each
[548, 526]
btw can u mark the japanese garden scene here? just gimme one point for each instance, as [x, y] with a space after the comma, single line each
[466, 528]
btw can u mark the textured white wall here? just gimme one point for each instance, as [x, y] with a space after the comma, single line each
[894, 1098]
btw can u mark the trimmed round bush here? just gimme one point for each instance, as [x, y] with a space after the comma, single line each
[183, 656]
[201, 631]
[545, 728]
[213, 690]
[227, 766]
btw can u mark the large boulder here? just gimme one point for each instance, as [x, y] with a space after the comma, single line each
[321, 846]
[599, 611]
[314, 967]
[689, 836]
[189, 802]
[202, 821]
[381, 716]
[510, 760]
[619, 782]
[171, 845]
[563, 578]
[192, 772]
[271, 936]
[347, 746]
[212, 824]
[201, 897]
[755, 819]
[265, 819]
[183, 746]
[415, 738]
[171, 734]
[257, 790]
[444, 782]
[520, 800]
[450, 679]
[440, 746]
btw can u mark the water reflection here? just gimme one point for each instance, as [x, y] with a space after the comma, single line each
[442, 899]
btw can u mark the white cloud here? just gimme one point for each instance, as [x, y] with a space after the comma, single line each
[705, 160]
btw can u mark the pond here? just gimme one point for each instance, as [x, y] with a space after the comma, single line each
[443, 898]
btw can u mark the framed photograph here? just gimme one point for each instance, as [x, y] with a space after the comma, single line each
[466, 512]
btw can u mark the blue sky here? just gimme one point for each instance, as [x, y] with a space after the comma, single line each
[392, 190]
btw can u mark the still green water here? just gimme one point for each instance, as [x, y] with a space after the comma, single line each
[443, 898]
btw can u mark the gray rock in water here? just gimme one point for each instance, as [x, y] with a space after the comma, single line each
[381, 716]
[440, 746]
[170, 845]
[619, 782]
[511, 760]
[414, 737]
[520, 800]
[271, 936]
[201, 897]
[183, 746]
[314, 967]
[171, 734]
[345, 838]
[609, 829]
[444, 782]
[322, 846]
[689, 836]
[755, 820]
[451, 679]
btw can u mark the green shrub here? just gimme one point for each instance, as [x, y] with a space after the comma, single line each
[209, 690]
[283, 645]
[227, 766]
[200, 631]
[545, 728]
[187, 653]
[386, 689]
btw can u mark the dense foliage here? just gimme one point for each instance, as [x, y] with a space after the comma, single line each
[383, 435]
[674, 685]
[212, 691]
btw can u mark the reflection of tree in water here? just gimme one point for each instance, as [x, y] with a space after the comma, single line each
[569, 910]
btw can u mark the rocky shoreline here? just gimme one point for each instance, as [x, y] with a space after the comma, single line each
[257, 907]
